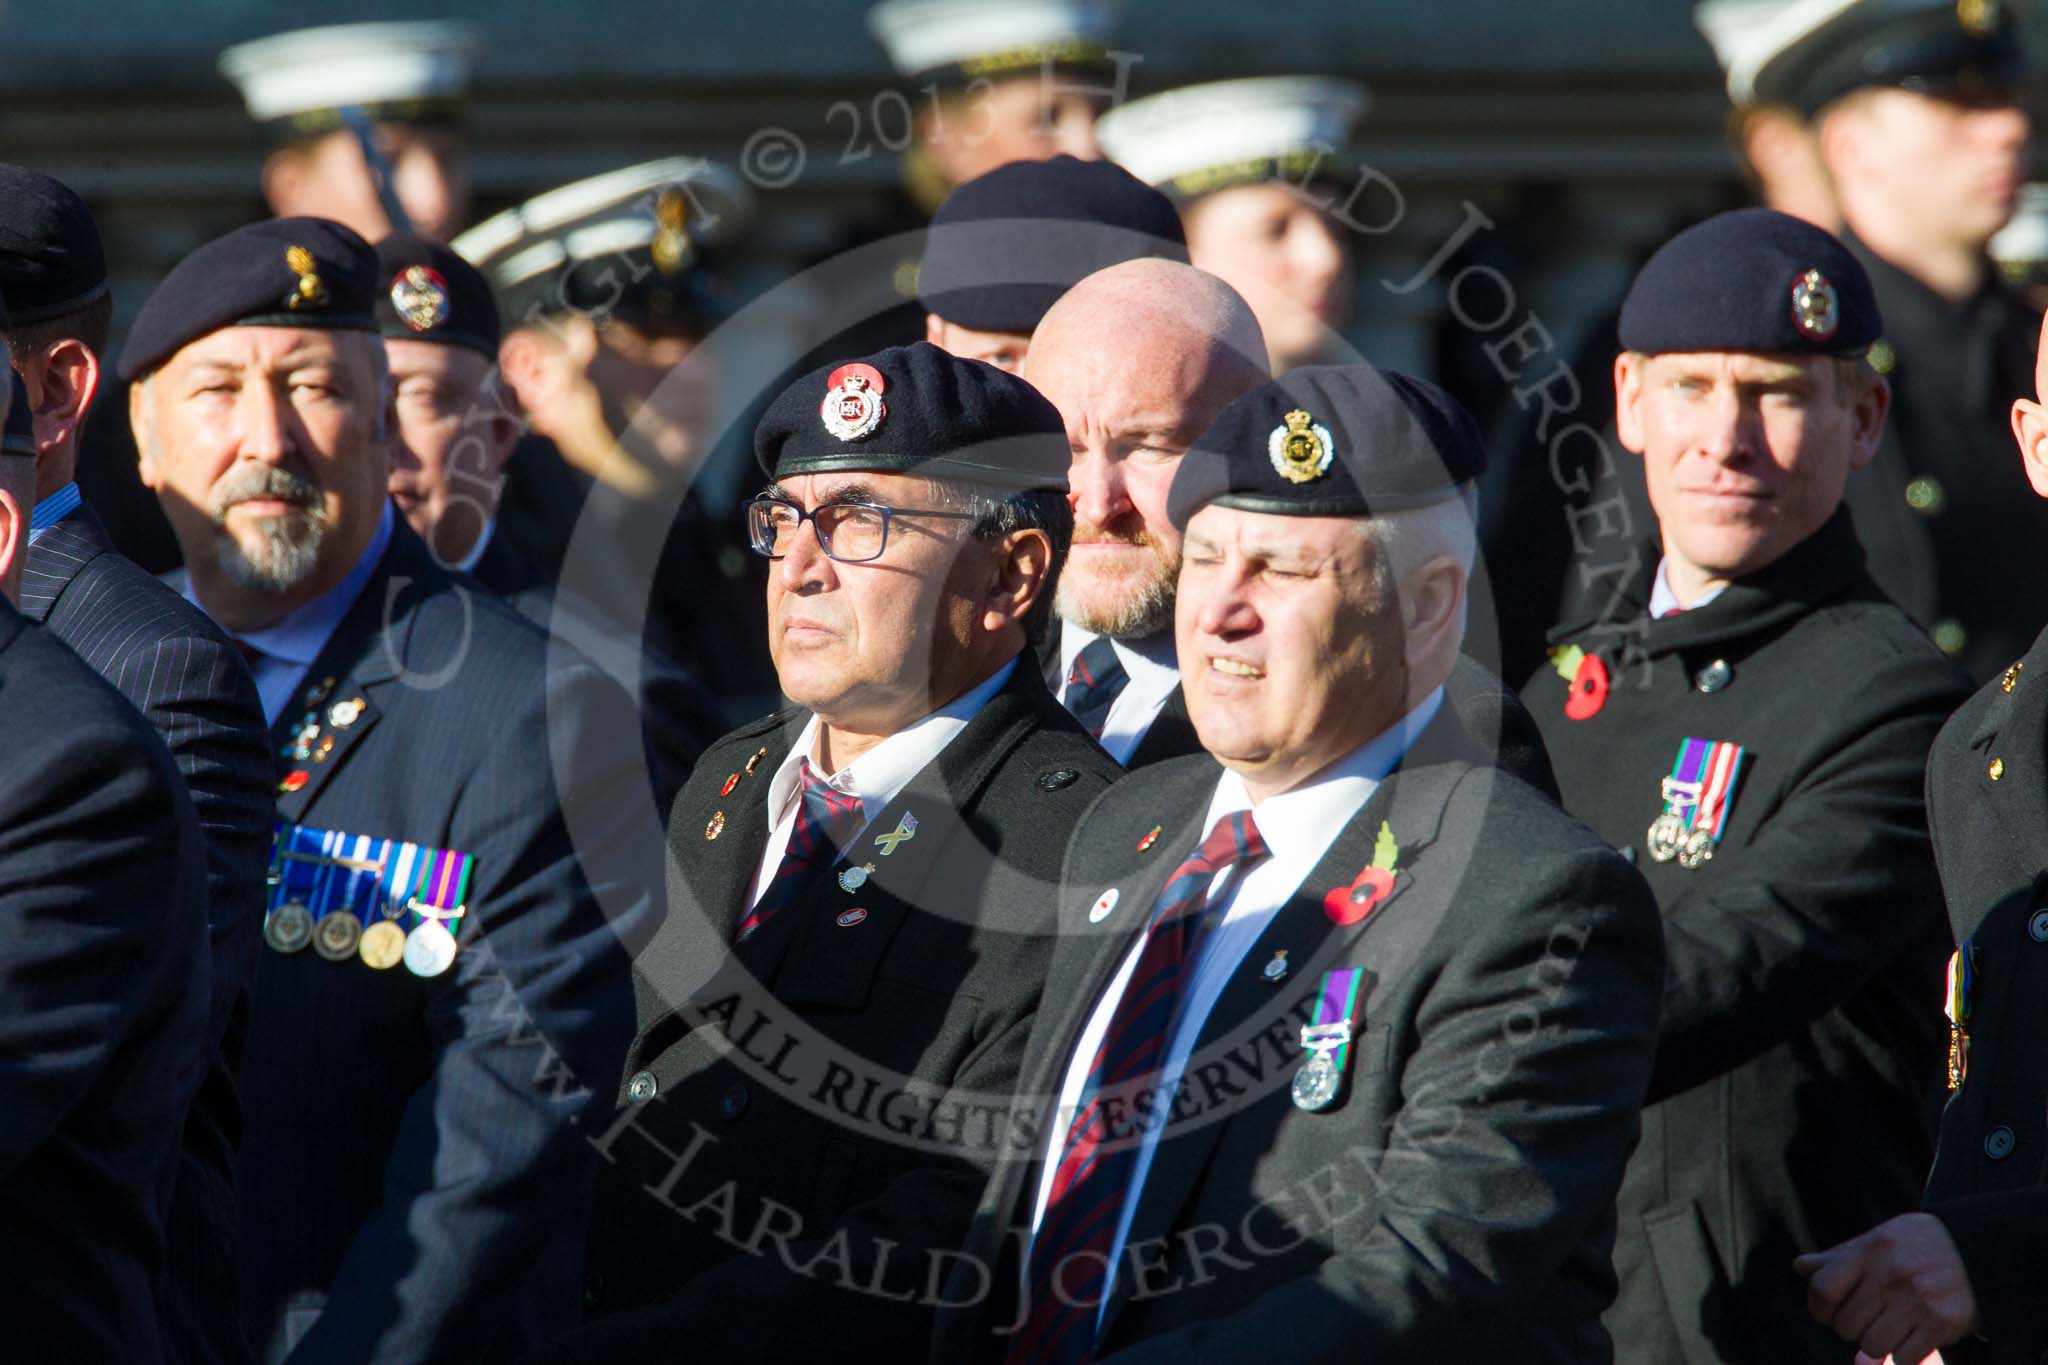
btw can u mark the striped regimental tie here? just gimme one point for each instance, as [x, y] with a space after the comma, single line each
[827, 820]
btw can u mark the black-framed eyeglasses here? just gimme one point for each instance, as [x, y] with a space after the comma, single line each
[849, 532]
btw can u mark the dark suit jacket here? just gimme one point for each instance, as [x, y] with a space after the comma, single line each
[184, 675]
[103, 968]
[412, 1162]
[1990, 1181]
[1456, 1201]
[1800, 1032]
[885, 1031]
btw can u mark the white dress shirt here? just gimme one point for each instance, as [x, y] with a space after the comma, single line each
[1663, 601]
[290, 646]
[1153, 671]
[1298, 828]
[876, 777]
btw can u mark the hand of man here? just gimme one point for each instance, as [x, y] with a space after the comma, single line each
[1862, 1359]
[1899, 1290]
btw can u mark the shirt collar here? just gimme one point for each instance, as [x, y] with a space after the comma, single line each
[880, 774]
[1300, 825]
[1150, 656]
[300, 637]
[476, 552]
[52, 510]
[1663, 601]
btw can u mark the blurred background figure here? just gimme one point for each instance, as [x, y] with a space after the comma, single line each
[317, 92]
[1922, 132]
[606, 287]
[1258, 169]
[1776, 147]
[2020, 250]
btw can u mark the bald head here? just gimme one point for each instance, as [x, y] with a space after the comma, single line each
[1139, 359]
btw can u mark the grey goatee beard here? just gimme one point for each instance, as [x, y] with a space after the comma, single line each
[288, 545]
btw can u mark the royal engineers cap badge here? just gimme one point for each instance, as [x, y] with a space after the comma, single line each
[1301, 450]
[853, 405]
[1816, 310]
[419, 295]
[311, 291]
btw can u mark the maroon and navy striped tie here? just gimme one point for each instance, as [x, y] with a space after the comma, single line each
[1093, 682]
[1094, 1172]
[827, 819]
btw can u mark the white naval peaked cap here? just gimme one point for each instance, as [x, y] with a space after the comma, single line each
[313, 69]
[1168, 137]
[926, 35]
[606, 213]
[1741, 34]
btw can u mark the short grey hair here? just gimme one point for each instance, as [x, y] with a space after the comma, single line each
[1404, 541]
[999, 512]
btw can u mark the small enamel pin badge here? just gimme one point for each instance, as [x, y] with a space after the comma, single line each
[1104, 903]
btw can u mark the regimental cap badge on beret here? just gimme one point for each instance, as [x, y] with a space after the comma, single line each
[1978, 17]
[1816, 308]
[419, 295]
[311, 292]
[853, 405]
[671, 250]
[1301, 450]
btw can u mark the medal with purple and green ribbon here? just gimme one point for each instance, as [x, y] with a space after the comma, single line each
[1697, 796]
[1329, 1039]
[351, 895]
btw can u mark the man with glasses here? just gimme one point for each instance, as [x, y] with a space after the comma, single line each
[860, 887]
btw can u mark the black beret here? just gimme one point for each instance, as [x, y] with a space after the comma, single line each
[915, 410]
[281, 272]
[431, 294]
[1005, 274]
[18, 435]
[51, 261]
[1751, 280]
[1331, 441]
[1965, 48]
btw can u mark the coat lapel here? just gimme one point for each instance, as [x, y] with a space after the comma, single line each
[1411, 802]
[2011, 729]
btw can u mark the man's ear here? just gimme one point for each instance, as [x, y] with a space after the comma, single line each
[70, 374]
[1872, 407]
[1432, 612]
[139, 422]
[2030, 429]
[1020, 577]
[283, 172]
[13, 541]
[935, 330]
[1628, 399]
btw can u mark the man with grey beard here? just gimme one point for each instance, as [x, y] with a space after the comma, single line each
[1139, 358]
[412, 1184]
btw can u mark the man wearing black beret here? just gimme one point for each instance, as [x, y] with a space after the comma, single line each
[860, 889]
[1005, 246]
[1924, 135]
[1748, 717]
[412, 1180]
[180, 671]
[1344, 1038]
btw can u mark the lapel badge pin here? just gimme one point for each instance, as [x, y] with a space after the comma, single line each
[730, 783]
[1151, 838]
[1373, 884]
[295, 779]
[1104, 903]
[1276, 970]
[906, 829]
[854, 878]
[716, 826]
[1585, 677]
[848, 918]
[343, 714]
[753, 764]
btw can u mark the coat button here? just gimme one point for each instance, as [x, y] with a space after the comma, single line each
[1950, 637]
[642, 1087]
[1059, 777]
[1997, 769]
[1998, 1144]
[2037, 927]
[1714, 676]
[1926, 496]
[733, 1102]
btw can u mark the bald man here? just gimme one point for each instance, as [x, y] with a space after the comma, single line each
[1139, 358]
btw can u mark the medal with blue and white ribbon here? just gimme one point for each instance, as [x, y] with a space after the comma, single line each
[1329, 1039]
[1696, 797]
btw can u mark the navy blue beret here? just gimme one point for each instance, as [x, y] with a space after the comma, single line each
[1003, 275]
[51, 261]
[1751, 280]
[1968, 49]
[18, 435]
[915, 410]
[1331, 441]
[281, 272]
[431, 294]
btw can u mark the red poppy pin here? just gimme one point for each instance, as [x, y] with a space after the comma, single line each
[1350, 904]
[1585, 678]
[730, 783]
